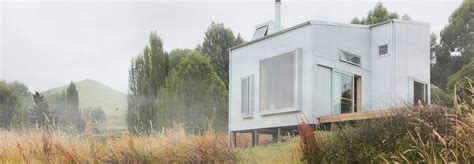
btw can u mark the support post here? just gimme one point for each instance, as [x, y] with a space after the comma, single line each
[255, 138]
[279, 137]
[233, 139]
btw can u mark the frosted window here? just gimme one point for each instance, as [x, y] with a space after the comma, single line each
[278, 82]
[247, 95]
[342, 93]
[350, 58]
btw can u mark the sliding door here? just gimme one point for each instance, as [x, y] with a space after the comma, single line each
[342, 93]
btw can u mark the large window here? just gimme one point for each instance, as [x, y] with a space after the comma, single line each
[420, 93]
[342, 93]
[279, 78]
[247, 96]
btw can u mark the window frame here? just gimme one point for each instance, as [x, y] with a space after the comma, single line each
[334, 71]
[425, 91]
[251, 95]
[342, 52]
[297, 93]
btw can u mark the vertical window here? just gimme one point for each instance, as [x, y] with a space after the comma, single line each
[343, 90]
[383, 49]
[247, 96]
[278, 82]
[419, 93]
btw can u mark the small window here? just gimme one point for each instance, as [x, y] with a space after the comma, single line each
[260, 32]
[350, 58]
[383, 49]
[247, 96]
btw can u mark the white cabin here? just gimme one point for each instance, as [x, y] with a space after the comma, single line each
[322, 68]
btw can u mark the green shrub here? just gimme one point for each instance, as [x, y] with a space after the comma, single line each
[431, 134]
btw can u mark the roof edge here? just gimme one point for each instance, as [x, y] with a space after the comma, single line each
[315, 22]
[272, 35]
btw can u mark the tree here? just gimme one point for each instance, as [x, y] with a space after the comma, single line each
[440, 97]
[8, 105]
[21, 119]
[148, 73]
[72, 111]
[406, 17]
[195, 96]
[175, 57]
[378, 14]
[96, 115]
[41, 115]
[463, 81]
[455, 38]
[217, 41]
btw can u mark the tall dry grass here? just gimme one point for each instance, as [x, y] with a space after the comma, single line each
[38, 146]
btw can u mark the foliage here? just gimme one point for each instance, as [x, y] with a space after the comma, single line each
[147, 76]
[41, 115]
[175, 57]
[378, 14]
[21, 118]
[8, 105]
[457, 35]
[73, 114]
[463, 80]
[440, 97]
[217, 41]
[193, 95]
[65, 106]
[406, 17]
[455, 47]
[433, 134]
[96, 115]
[308, 145]
[285, 152]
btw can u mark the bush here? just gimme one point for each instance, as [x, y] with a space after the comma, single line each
[431, 134]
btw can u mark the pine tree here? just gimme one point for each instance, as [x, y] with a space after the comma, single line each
[217, 41]
[41, 115]
[73, 114]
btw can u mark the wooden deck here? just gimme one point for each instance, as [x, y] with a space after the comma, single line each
[357, 116]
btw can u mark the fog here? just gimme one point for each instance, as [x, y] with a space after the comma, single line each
[48, 44]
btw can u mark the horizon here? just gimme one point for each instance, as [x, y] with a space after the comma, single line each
[100, 38]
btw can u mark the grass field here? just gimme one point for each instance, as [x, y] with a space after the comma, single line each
[37, 146]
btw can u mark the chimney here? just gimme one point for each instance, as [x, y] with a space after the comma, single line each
[277, 15]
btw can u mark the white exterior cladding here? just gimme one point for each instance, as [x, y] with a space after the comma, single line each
[387, 80]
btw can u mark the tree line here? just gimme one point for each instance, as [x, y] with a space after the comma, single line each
[183, 86]
[21, 110]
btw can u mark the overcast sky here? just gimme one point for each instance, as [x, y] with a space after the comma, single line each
[48, 44]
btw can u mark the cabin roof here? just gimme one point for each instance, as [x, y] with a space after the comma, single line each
[315, 22]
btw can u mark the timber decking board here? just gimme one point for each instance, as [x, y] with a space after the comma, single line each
[357, 116]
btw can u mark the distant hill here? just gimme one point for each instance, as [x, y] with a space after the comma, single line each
[95, 94]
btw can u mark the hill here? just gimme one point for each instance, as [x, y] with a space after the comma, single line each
[95, 94]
